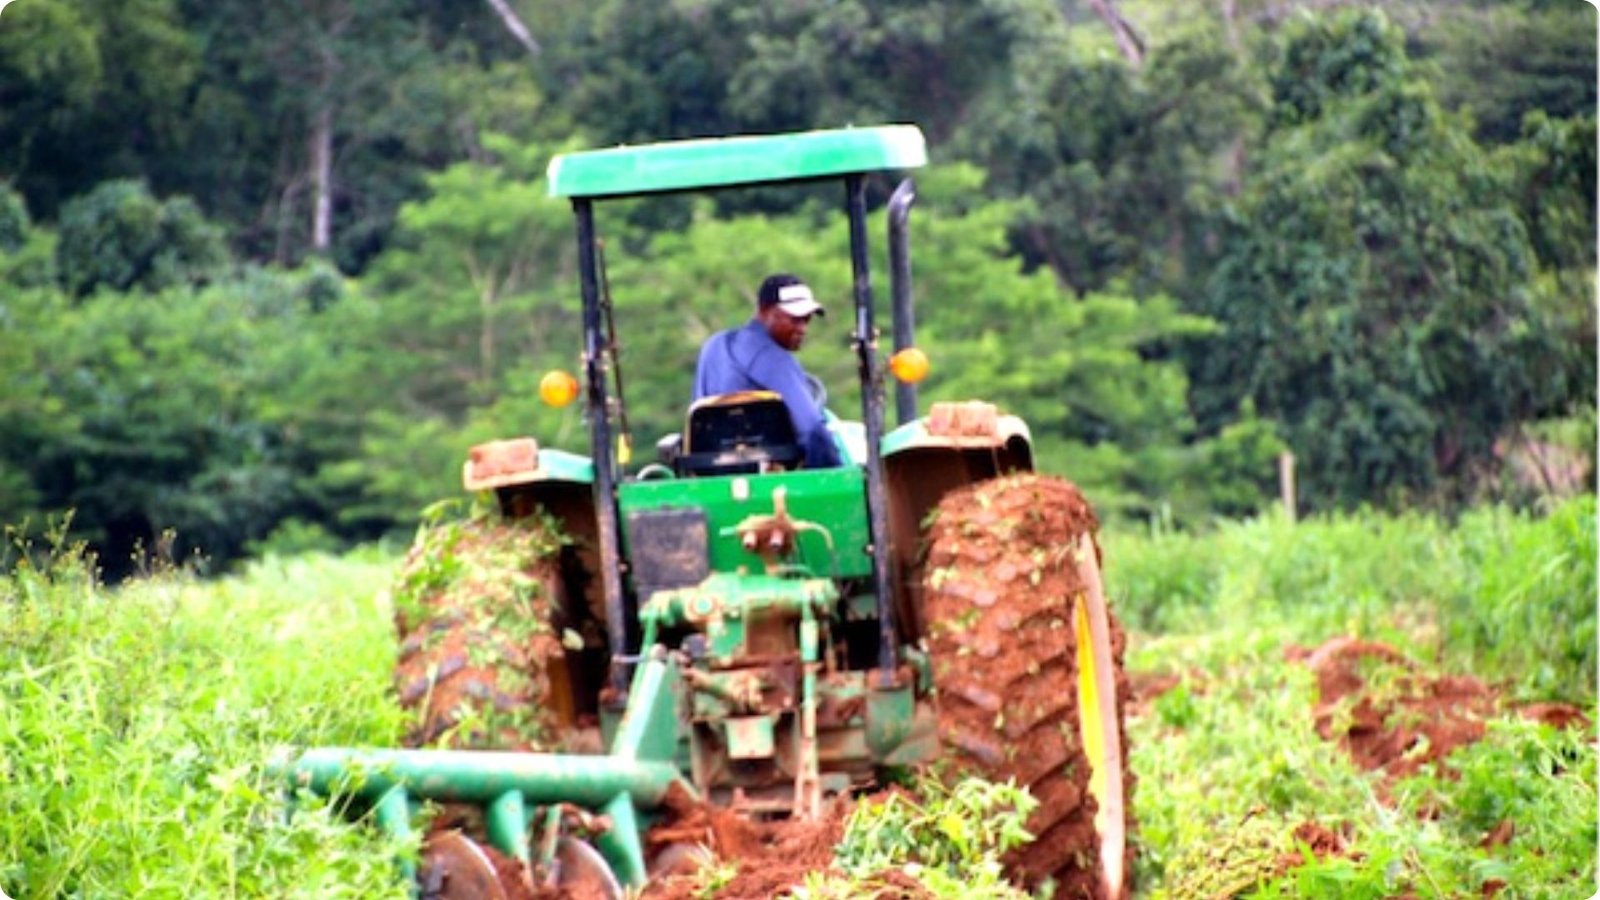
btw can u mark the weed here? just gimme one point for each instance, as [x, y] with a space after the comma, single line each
[950, 840]
[137, 724]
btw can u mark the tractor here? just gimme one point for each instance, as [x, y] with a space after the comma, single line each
[768, 636]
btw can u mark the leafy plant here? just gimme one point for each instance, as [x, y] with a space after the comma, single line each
[948, 838]
[138, 723]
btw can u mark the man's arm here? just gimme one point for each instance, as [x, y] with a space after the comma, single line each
[776, 370]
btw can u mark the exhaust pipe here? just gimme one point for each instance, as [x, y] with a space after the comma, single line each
[905, 395]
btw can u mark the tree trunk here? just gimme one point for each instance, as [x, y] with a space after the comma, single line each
[1230, 13]
[322, 179]
[1128, 40]
[516, 26]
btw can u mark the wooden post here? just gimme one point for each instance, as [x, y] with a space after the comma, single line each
[1286, 483]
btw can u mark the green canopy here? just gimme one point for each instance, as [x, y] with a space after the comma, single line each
[723, 162]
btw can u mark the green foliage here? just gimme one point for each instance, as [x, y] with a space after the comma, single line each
[1246, 732]
[1505, 595]
[1273, 231]
[1324, 65]
[294, 537]
[1499, 61]
[1236, 469]
[1224, 785]
[121, 238]
[482, 565]
[949, 839]
[138, 724]
[1538, 779]
[1555, 171]
[444, 345]
[1115, 163]
[1530, 610]
[677, 70]
[149, 414]
[92, 91]
[27, 253]
[14, 222]
[1376, 291]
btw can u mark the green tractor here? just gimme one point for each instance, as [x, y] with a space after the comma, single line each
[764, 637]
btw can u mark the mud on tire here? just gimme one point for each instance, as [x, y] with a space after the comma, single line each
[1007, 564]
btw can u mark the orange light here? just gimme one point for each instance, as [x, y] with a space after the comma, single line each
[558, 388]
[909, 365]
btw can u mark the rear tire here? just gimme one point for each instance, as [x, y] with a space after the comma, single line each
[1027, 662]
[480, 666]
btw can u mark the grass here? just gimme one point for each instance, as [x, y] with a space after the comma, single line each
[1228, 762]
[1504, 595]
[135, 725]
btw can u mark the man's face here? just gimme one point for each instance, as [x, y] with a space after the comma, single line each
[789, 331]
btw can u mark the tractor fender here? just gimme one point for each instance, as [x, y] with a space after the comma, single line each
[527, 480]
[521, 461]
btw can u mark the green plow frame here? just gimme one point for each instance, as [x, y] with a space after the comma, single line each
[632, 779]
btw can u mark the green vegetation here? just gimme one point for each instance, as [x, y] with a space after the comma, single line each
[1229, 763]
[1504, 595]
[946, 838]
[137, 724]
[1229, 767]
[267, 273]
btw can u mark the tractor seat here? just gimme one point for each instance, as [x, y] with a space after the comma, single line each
[743, 433]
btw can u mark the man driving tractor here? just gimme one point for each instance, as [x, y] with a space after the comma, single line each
[759, 356]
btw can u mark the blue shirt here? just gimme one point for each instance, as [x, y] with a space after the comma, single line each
[748, 359]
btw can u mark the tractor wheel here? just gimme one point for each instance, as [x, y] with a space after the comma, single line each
[479, 655]
[1027, 663]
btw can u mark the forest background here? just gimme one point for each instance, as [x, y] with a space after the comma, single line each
[267, 270]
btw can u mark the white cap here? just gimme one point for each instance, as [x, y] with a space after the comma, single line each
[796, 300]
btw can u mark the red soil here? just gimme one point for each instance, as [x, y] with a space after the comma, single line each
[1395, 719]
[768, 857]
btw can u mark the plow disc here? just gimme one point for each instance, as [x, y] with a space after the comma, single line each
[455, 867]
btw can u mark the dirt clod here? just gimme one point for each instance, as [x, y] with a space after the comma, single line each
[755, 859]
[1322, 841]
[1386, 714]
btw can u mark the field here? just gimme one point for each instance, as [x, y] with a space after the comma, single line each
[134, 723]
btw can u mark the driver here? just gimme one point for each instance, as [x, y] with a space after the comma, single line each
[759, 356]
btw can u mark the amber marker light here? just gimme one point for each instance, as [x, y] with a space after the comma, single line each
[558, 388]
[909, 365]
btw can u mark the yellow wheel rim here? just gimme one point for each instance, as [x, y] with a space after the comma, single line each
[1097, 717]
[1094, 739]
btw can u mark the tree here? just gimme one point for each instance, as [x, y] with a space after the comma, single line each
[1377, 287]
[1500, 61]
[143, 416]
[645, 72]
[120, 237]
[1117, 163]
[90, 91]
[473, 302]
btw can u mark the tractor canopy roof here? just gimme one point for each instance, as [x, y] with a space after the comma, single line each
[732, 161]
